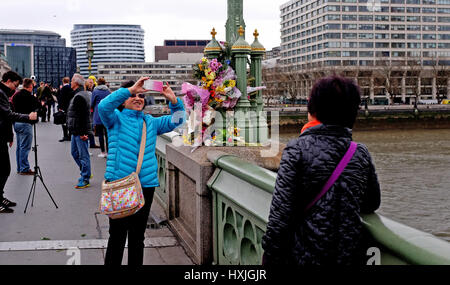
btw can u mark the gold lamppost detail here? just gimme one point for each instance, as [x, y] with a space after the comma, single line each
[90, 54]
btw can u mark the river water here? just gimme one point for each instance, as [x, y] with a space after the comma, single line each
[413, 168]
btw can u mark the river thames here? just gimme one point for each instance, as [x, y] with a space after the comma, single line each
[413, 168]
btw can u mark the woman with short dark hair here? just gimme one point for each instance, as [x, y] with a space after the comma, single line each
[311, 223]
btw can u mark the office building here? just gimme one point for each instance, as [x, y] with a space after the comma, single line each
[395, 37]
[40, 53]
[111, 43]
[174, 73]
[179, 46]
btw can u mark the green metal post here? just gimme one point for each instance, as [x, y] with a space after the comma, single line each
[235, 20]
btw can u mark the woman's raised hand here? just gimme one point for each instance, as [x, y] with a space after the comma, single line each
[138, 87]
[168, 93]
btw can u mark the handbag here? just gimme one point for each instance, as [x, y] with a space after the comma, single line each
[336, 173]
[59, 118]
[122, 198]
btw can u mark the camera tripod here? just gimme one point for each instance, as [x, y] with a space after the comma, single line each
[37, 174]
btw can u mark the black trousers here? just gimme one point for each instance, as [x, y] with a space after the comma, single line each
[100, 130]
[134, 226]
[5, 167]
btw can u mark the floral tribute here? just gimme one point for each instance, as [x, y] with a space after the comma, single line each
[216, 91]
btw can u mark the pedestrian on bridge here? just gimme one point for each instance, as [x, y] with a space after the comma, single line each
[10, 82]
[122, 114]
[79, 124]
[315, 213]
[24, 103]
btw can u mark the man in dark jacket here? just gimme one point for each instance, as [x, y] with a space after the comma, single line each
[331, 231]
[65, 96]
[79, 124]
[10, 82]
[24, 103]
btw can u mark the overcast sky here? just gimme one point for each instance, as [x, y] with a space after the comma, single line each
[161, 19]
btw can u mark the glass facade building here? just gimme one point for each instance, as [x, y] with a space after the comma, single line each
[111, 43]
[40, 53]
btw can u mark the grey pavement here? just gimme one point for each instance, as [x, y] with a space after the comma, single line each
[75, 233]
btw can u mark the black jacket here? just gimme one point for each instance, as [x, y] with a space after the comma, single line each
[65, 96]
[7, 116]
[78, 114]
[25, 103]
[331, 231]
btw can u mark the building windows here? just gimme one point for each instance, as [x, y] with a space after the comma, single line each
[413, 36]
[443, 28]
[366, 53]
[381, 18]
[413, 19]
[444, 19]
[429, 36]
[428, 2]
[349, 54]
[333, 8]
[398, 9]
[366, 36]
[382, 45]
[349, 44]
[349, 26]
[429, 10]
[349, 18]
[414, 45]
[429, 45]
[398, 45]
[349, 8]
[397, 18]
[428, 19]
[382, 27]
[381, 36]
[366, 45]
[366, 27]
[398, 36]
[413, 28]
[397, 27]
[428, 28]
[445, 37]
[382, 54]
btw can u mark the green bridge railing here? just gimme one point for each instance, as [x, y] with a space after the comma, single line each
[242, 193]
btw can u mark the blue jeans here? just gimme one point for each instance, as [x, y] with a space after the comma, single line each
[24, 135]
[80, 153]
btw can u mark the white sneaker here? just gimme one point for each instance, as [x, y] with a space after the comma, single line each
[90, 154]
[102, 155]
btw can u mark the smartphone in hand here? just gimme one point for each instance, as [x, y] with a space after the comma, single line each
[153, 85]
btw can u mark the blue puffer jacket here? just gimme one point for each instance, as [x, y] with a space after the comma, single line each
[125, 133]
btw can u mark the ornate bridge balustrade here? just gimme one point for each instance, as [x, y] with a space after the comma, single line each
[218, 206]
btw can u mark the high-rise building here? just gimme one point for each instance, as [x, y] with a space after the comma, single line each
[111, 43]
[40, 53]
[370, 35]
[179, 46]
[4, 66]
[273, 53]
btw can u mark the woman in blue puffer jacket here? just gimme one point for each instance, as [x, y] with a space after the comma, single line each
[122, 114]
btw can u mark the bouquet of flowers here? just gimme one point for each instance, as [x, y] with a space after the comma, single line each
[216, 91]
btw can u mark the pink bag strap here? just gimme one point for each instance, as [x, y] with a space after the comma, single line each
[142, 149]
[336, 173]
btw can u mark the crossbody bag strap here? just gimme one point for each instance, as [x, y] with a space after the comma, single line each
[142, 149]
[336, 173]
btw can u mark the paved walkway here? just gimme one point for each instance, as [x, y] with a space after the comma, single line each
[75, 232]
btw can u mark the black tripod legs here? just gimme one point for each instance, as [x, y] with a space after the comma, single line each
[37, 173]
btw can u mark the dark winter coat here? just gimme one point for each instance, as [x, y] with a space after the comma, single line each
[25, 103]
[65, 96]
[331, 232]
[78, 114]
[7, 116]
[99, 93]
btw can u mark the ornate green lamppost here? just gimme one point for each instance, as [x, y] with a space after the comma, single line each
[90, 54]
